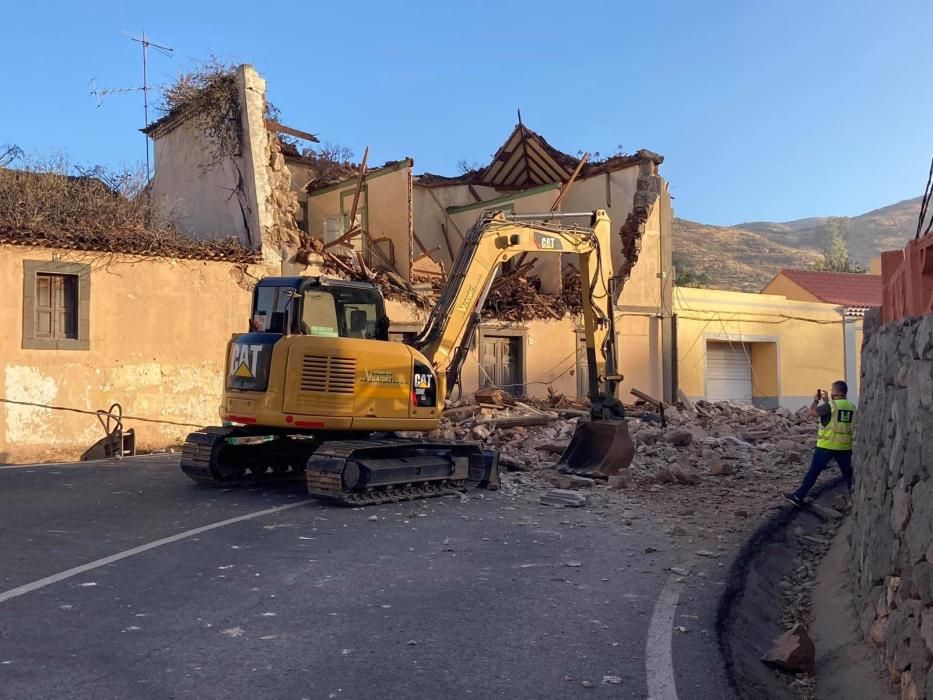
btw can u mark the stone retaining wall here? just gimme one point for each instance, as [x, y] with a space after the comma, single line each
[892, 540]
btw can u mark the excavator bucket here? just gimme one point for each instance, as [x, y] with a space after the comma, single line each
[598, 449]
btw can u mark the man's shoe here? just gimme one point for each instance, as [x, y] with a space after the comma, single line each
[792, 497]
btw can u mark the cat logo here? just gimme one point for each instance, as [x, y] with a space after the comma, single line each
[423, 381]
[243, 361]
[547, 242]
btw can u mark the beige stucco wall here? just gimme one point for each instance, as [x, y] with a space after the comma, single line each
[808, 341]
[549, 357]
[644, 285]
[158, 328]
[194, 192]
[429, 208]
[591, 193]
[547, 268]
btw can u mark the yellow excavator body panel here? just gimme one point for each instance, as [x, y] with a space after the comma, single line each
[334, 384]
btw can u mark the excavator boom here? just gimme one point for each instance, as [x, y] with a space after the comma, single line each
[602, 446]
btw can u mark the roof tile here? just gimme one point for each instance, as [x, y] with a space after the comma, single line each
[844, 288]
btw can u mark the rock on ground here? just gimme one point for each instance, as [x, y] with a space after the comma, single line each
[793, 651]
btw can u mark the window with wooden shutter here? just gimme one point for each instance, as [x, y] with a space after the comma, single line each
[56, 305]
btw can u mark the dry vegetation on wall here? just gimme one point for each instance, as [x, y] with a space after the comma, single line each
[55, 204]
[209, 96]
[327, 162]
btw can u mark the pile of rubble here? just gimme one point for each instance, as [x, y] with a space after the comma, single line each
[517, 296]
[345, 265]
[686, 446]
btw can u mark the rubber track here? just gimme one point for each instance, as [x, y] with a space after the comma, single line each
[196, 460]
[328, 485]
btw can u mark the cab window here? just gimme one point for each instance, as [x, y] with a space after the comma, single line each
[343, 312]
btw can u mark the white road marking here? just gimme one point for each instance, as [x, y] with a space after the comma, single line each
[659, 663]
[112, 462]
[90, 566]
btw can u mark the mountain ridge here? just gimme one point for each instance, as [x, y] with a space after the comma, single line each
[746, 256]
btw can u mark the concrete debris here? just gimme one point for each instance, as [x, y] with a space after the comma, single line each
[680, 437]
[563, 497]
[732, 457]
[493, 396]
[793, 651]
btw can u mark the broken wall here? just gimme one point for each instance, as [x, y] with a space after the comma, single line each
[892, 535]
[158, 329]
[547, 267]
[613, 192]
[212, 194]
[193, 192]
[429, 208]
[384, 207]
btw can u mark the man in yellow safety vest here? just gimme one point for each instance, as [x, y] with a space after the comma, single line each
[834, 439]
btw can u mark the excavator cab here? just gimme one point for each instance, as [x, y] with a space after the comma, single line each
[319, 306]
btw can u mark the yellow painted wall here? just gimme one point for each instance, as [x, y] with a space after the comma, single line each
[782, 286]
[158, 328]
[809, 342]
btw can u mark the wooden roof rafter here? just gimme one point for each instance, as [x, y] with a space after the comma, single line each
[523, 161]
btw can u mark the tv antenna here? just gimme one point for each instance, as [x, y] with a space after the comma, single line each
[146, 44]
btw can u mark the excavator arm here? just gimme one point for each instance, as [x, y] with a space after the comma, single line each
[497, 238]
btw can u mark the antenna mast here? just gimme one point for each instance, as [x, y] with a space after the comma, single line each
[165, 50]
[99, 94]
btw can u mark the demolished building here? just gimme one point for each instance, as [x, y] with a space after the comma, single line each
[311, 216]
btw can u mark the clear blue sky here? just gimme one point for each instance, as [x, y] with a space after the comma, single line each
[763, 110]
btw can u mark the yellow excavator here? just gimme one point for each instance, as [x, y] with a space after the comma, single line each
[316, 387]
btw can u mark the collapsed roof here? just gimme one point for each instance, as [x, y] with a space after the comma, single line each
[527, 160]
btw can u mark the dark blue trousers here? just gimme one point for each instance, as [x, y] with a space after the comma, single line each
[821, 460]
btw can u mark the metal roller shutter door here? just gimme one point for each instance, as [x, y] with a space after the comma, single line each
[728, 371]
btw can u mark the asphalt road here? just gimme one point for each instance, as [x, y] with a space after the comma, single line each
[486, 596]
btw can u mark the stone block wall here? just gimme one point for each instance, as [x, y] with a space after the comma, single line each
[892, 539]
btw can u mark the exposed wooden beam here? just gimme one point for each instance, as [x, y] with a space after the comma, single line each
[421, 245]
[359, 189]
[273, 125]
[474, 193]
[567, 185]
[450, 248]
[352, 233]
[524, 149]
[426, 254]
